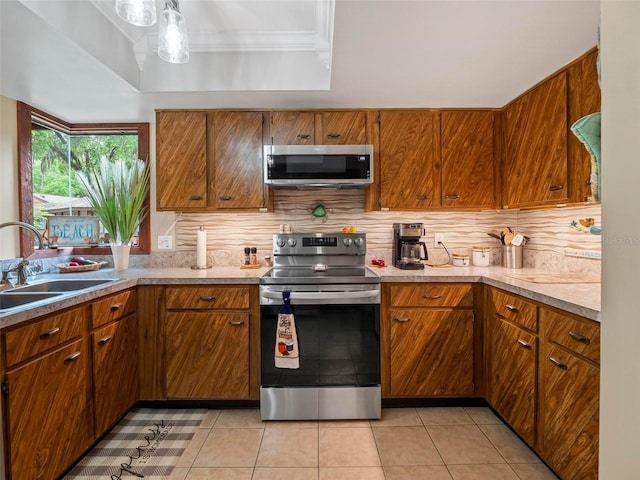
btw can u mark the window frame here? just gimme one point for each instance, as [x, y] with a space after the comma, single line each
[28, 114]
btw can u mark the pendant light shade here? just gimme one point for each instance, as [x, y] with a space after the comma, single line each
[137, 12]
[173, 46]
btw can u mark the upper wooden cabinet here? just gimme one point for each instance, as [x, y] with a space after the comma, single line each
[535, 164]
[209, 160]
[319, 128]
[467, 149]
[408, 167]
[181, 160]
[235, 157]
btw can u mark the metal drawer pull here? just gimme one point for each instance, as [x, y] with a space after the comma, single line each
[226, 197]
[207, 298]
[401, 320]
[104, 340]
[579, 337]
[422, 197]
[195, 197]
[452, 196]
[71, 357]
[50, 333]
[558, 363]
[524, 344]
[431, 297]
[556, 188]
[305, 136]
[511, 308]
[116, 306]
[333, 135]
[236, 322]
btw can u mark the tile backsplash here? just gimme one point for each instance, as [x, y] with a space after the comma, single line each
[550, 230]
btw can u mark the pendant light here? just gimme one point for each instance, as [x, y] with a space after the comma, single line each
[172, 36]
[137, 12]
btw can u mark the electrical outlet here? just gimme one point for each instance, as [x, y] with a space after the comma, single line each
[165, 242]
[438, 238]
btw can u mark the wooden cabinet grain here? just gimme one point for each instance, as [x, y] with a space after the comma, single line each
[319, 127]
[292, 128]
[535, 157]
[408, 159]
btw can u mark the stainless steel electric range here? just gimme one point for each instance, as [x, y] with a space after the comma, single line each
[336, 305]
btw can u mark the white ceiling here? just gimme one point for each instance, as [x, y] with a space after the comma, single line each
[77, 60]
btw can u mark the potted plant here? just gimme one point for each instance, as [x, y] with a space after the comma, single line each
[117, 192]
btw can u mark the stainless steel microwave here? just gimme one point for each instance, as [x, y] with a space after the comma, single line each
[318, 166]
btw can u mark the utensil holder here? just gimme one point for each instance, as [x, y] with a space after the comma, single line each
[512, 256]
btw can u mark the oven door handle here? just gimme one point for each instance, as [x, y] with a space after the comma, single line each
[323, 295]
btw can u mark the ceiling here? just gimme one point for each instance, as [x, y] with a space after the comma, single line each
[79, 61]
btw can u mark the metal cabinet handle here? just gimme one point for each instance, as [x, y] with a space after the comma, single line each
[524, 344]
[104, 340]
[236, 322]
[401, 320]
[556, 188]
[116, 306]
[511, 308]
[207, 298]
[49, 333]
[422, 197]
[71, 357]
[579, 337]
[431, 297]
[333, 135]
[195, 197]
[452, 196]
[226, 197]
[558, 363]
[305, 136]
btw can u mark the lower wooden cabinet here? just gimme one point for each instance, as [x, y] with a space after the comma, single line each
[207, 355]
[49, 412]
[115, 371]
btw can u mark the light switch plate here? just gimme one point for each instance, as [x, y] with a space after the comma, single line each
[165, 242]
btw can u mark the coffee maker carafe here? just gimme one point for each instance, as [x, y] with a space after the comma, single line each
[408, 250]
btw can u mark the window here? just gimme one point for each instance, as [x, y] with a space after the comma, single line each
[51, 151]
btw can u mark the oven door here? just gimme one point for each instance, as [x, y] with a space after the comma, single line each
[339, 348]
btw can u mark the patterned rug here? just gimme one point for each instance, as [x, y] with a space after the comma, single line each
[145, 444]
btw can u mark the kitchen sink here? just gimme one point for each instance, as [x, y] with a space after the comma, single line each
[17, 299]
[67, 285]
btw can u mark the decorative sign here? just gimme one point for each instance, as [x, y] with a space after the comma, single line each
[68, 231]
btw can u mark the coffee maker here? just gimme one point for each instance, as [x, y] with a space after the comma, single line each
[408, 250]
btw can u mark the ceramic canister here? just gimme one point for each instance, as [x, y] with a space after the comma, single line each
[481, 256]
[460, 259]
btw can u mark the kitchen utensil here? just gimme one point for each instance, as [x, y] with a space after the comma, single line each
[495, 235]
[508, 238]
[518, 239]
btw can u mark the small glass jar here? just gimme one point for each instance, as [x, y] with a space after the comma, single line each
[253, 257]
[247, 255]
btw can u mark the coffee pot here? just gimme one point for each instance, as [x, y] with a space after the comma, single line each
[408, 250]
[413, 252]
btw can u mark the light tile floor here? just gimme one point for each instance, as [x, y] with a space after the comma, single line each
[406, 444]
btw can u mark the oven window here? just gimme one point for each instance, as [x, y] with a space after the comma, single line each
[339, 345]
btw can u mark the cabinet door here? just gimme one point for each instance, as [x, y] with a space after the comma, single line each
[408, 175]
[584, 98]
[570, 409]
[115, 371]
[467, 159]
[535, 159]
[207, 355]
[50, 420]
[292, 128]
[512, 381]
[341, 128]
[181, 160]
[431, 352]
[236, 152]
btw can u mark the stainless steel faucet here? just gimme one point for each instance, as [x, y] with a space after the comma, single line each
[20, 268]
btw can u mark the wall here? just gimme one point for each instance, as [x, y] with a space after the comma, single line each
[620, 368]
[9, 237]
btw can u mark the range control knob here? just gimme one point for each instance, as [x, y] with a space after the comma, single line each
[280, 242]
[347, 242]
[292, 242]
[358, 242]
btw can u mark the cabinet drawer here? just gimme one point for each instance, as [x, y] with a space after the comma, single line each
[515, 309]
[577, 335]
[206, 298]
[112, 307]
[27, 341]
[431, 295]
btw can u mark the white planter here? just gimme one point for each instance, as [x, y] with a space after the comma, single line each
[120, 256]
